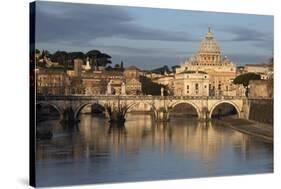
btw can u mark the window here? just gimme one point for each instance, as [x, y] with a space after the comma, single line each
[196, 86]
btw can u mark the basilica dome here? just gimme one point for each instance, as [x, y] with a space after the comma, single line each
[209, 45]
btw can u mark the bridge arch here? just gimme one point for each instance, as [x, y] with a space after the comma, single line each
[59, 110]
[234, 105]
[152, 107]
[80, 107]
[195, 107]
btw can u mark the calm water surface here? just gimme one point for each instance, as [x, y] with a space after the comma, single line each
[143, 150]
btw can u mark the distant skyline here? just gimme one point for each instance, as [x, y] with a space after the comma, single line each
[151, 37]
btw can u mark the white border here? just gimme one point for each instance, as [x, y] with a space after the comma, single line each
[14, 92]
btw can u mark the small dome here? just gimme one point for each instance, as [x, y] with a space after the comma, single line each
[209, 45]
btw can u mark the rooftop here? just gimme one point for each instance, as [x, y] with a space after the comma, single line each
[132, 68]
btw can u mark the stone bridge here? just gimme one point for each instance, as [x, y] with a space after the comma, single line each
[160, 105]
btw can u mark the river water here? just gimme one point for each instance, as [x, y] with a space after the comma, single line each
[94, 152]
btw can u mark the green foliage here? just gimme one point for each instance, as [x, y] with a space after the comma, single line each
[174, 68]
[245, 78]
[60, 57]
[98, 59]
[65, 59]
[73, 55]
[151, 88]
[161, 70]
[93, 53]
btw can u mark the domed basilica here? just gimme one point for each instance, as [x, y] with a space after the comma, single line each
[208, 59]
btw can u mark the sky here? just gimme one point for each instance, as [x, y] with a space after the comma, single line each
[149, 37]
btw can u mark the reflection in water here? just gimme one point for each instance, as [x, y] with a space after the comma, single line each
[96, 152]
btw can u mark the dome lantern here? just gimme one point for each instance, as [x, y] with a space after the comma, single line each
[209, 45]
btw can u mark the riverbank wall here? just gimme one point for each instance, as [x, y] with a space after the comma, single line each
[260, 130]
[261, 110]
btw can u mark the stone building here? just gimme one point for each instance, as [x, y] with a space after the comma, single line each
[209, 59]
[264, 70]
[132, 80]
[78, 67]
[257, 68]
[191, 83]
[167, 80]
[95, 83]
[261, 88]
[131, 72]
[52, 82]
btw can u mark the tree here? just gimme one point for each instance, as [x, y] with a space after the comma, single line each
[98, 59]
[245, 78]
[74, 55]
[122, 65]
[174, 68]
[60, 57]
[161, 70]
[93, 55]
[103, 59]
[151, 88]
[37, 51]
[45, 53]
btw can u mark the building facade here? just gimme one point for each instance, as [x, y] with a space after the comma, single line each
[52, 82]
[191, 83]
[132, 80]
[209, 59]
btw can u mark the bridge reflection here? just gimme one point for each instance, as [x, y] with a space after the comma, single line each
[185, 137]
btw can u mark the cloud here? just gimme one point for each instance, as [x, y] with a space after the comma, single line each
[254, 37]
[268, 45]
[241, 59]
[147, 61]
[246, 34]
[132, 51]
[80, 23]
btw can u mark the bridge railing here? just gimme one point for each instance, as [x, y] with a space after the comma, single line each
[137, 97]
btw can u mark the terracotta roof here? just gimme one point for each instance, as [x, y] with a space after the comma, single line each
[132, 68]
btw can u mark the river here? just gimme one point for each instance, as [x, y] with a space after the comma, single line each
[94, 152]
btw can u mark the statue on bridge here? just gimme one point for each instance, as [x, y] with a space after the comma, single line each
[123, 89]
[109, 89]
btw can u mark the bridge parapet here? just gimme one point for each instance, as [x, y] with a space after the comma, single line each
[139, 97]
[204, 105]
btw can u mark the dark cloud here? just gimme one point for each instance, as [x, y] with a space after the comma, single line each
[151, 61]
[246, 34]
[268, 45]
[129, 50]
[146, 61]
[79, 23]
[254, 37]
[241, 59]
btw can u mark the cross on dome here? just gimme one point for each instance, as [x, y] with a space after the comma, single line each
[209, 34]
